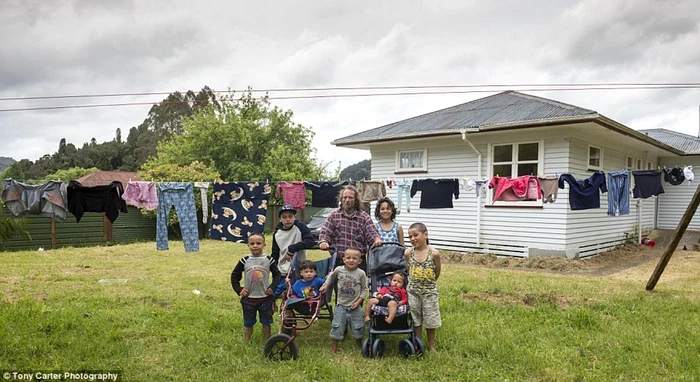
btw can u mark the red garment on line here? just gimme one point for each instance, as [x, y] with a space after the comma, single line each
[515, 189]
[294, 194]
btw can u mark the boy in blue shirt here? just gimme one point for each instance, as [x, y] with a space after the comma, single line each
[306, 287]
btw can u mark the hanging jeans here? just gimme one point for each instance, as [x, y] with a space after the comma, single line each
[618, 192]
[404, 188]
[180, 195]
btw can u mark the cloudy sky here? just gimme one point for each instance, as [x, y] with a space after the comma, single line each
[57, 48]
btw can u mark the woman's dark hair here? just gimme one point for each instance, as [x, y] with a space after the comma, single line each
[379, 206]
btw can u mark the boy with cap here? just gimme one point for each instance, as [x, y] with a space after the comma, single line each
[291, 236]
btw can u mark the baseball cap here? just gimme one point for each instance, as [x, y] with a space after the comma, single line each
[287, 207]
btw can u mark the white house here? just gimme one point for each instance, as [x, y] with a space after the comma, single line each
[512, 134]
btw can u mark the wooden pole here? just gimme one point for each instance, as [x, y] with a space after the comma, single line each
[107, 228]
[682, 226]
[53, 233]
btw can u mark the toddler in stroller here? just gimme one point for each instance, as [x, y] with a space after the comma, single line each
[302, 305]
[387, 278]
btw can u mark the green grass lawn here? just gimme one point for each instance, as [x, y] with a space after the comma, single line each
[497, 324]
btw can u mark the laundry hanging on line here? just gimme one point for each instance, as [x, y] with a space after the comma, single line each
[238, 210]
[49, 199]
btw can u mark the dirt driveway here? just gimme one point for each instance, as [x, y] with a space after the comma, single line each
[608, 263]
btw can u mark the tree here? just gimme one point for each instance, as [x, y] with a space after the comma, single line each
[359, 170]
[70, 174]
[244, 140]
[10, 227]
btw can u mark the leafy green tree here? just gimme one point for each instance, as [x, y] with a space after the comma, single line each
[70, 174]
[244, 140]
[11, 227]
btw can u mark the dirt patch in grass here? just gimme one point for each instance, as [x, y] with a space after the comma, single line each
[527, 299]
[610, 262]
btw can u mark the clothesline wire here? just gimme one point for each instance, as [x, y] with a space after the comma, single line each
[354, 95]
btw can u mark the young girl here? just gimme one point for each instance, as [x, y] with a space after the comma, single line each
[389, 230]
[423, 271]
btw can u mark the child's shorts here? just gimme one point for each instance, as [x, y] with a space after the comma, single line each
[344, 316]
[384, 301]
[425, 310]
[253, 306]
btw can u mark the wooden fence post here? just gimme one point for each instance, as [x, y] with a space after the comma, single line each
[682, 226]
[53, 233]
[107, 228]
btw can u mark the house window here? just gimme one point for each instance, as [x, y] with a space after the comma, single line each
[516, 159]
[639, 164]
[408, 161]
[649, 165]
[594, 158]
[630, 163]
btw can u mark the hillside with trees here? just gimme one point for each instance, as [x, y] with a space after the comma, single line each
[5, 162]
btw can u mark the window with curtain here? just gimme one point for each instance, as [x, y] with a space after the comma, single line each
[412, 160]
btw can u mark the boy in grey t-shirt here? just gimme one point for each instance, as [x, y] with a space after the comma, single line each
[257, 290]
[352, 288]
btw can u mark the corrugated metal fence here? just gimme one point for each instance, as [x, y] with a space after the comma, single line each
[93, 229]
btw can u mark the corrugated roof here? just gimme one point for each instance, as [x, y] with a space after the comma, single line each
[684, 142]
[101, 178]
[505, 108]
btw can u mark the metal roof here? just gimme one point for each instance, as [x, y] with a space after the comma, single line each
[684, 142]
[102, 178]
[502, 109]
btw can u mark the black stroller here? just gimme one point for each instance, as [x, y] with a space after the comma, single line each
[281, 347]
[383, 261]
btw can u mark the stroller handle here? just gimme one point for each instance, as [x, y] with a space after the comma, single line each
[393, 243]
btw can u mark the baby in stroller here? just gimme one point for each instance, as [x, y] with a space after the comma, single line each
[392, 297]
[304, 289]
[387, 274]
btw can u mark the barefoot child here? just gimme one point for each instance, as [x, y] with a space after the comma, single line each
[423, 271]
[352, 288]
[392, 297]
[256, 293]
[389, 230]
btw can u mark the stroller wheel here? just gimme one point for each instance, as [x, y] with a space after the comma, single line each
[406, 348]
[378, 348]
[367, 347]
[419, 347]
[280, 348]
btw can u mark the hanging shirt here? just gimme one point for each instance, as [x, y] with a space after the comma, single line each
[584, 194]
[48, 199]
[141, 195]
[294, 194]
[325, 194]
[674, 175]
[239, 209]
[436, 193]
[203, 187]
[516, 189]
[107, 199]
[371, 190]
[647, 183]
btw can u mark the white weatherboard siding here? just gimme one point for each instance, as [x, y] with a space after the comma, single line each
[593, 231]
[504, 230]
[675, 200]
[514, 231]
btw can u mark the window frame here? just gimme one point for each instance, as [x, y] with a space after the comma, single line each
[591, 167]
[424, 162]
[630, 163]
[639, 164]
[649, 165]
[514, 166]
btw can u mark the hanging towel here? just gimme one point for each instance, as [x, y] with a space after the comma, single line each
[107, 199]
[294, 194]
[238, 210]
[436, 193]
[516, 189]
[584, 194]
[203, 187]
[141, 195]
[549, 184]
[48, 199]
[647, 183]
